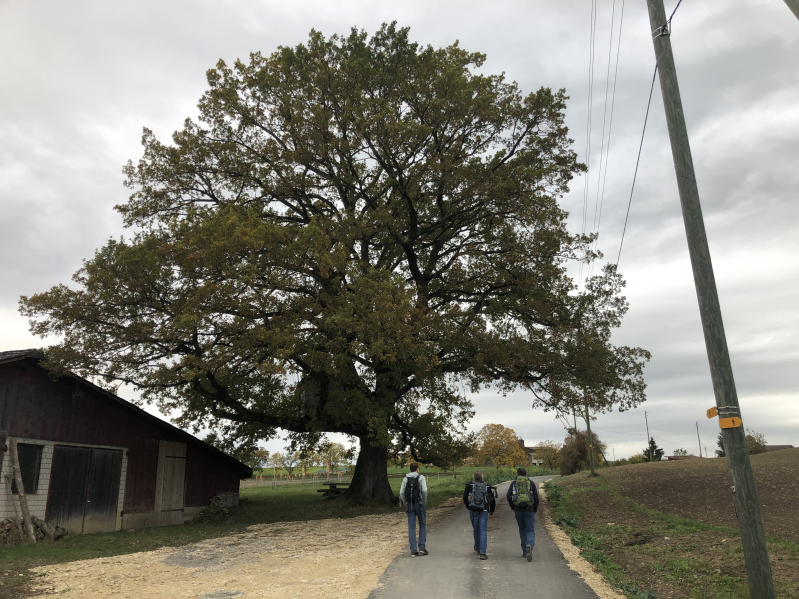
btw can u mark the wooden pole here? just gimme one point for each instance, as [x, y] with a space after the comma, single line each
[699, 440]
[743, 484]
[794, 6]
[23, 502]
[18, 518]
[590, 440]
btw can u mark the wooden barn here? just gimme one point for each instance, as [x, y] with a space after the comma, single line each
[93, 462]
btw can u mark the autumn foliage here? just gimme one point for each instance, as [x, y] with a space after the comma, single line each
[499, 446]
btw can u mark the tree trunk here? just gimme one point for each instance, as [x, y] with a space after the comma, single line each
[370, 482]
[23, 502]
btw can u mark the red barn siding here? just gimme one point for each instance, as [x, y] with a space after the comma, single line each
[141, 478]
[71, 410]
[205, 478]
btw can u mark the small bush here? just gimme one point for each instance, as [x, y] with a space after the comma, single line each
[554, 493]
[568, 521]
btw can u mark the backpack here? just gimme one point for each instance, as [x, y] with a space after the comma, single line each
[477, 498]
[521, 495]
[413, 489]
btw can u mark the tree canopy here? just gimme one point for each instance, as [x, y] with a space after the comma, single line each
[756, 442]
[355, 233]
[575, 452]
[549, 453]
[652, 453]
[499, 446]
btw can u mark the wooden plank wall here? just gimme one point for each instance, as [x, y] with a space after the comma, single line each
[170, 485]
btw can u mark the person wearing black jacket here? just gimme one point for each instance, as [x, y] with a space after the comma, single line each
[525, 518]
[479, 517]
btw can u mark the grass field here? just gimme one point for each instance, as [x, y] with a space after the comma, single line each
[259, 505]
[667, 530]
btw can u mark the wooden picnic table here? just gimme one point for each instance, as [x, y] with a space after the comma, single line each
[334, 488]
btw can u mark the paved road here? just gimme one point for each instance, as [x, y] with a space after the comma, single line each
[453, 570]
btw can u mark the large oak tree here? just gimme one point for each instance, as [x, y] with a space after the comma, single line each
[354, 233]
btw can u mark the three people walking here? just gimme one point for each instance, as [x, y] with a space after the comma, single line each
[479, 498]
[413, 495]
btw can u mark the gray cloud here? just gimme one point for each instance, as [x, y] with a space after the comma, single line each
[80, 79]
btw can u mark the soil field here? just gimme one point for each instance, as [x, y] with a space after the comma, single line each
[704, 491]
[669, 528]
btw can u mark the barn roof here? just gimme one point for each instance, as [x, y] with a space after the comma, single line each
[35, 355]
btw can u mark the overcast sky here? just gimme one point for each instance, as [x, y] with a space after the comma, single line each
[79, 80]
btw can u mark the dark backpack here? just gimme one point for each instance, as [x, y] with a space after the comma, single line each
[413, 489]
[477, 498]
[522, 493]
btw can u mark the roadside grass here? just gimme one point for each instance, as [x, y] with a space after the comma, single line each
[260, 505]
[662, 552]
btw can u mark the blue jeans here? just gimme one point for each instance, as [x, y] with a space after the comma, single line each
[526, 521]
[416, 510]
[480, 526]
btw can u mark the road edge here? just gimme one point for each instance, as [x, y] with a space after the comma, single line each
[575, 561]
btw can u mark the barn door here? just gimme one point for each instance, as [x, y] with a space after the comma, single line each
[84, 488]
[171, 482]
[66, 499]
[103, 491]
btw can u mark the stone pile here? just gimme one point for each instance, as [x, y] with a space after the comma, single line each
[12, 531]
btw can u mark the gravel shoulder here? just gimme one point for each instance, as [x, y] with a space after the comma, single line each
[335, 558]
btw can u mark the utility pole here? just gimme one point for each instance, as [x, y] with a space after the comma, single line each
[590, 440]
[698, 439]
[750, 523]
[648, 438]
[794, 6]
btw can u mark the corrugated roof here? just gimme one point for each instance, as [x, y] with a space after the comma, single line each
[36, 355]
[20, 354]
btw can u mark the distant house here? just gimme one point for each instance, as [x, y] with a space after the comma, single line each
[530, 451]
[778, 447]
[93, 462]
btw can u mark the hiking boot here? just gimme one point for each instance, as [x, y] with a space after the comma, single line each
[414, 554]
[423, 552]
[529, 553]
[483, 556]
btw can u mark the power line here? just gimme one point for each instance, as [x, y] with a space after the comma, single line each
[588, 126]
[604, 177]
[637, 162]
[649, 102]
[634, 434]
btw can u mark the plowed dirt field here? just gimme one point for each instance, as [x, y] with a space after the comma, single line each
[624, 522]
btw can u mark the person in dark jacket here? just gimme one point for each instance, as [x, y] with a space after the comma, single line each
[525, 517]
[479, 517]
